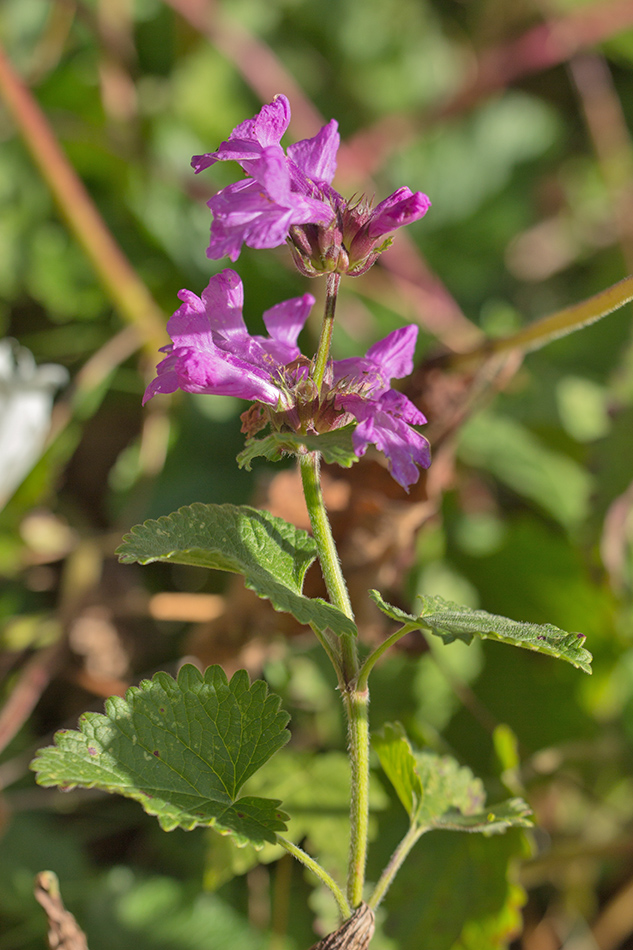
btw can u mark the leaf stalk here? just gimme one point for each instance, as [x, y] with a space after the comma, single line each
[395, 863]
[320, 872]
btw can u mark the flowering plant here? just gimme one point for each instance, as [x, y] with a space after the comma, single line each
[186, 747]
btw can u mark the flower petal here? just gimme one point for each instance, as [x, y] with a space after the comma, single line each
[400, 208]
[386, 423]
[286, 320]
[394, 354]
[218, 311]
[246, 141]
[245, 213]
[316, 157]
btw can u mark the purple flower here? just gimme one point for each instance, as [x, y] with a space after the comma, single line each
[385, 416]
[289, 197]
[213, 352]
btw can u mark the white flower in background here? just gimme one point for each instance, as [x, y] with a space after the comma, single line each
[26, 401]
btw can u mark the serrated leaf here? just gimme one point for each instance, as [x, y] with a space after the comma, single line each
[336, 447]
[438, 792]
[182, 748]
[452, 621]
[272, 555]
[513, 813]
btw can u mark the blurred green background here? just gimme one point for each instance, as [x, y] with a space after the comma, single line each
[514, 118]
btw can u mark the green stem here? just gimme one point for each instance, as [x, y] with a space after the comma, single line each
[120, 281]
[328, 557]
[394, 865]
[322, 874]
[363, 676]
[556, 325]
[357, 708]
[323, 351]
[356, 701]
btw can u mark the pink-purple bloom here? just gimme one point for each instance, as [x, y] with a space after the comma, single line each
[289, 197]
[213, 352]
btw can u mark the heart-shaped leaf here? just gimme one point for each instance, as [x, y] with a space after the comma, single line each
[182, 748]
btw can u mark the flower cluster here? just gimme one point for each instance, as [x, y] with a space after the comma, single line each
[290, 197]
[212, 352]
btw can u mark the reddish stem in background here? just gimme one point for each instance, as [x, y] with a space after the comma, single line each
[117, 276]
[25, 694]
[254, 59]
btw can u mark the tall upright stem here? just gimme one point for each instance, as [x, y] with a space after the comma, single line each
[323, 352]
[356, 701]
[328, 557]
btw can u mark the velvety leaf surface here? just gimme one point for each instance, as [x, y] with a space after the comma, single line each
[452, 621]
[182, 748]
[272, 555]
[439, 793]
[336, 447]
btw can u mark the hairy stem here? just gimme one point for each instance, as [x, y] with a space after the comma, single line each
[323, 351]
[328, 558]
[316, 868]
[356, 701]
[395, 862]
[357, 708]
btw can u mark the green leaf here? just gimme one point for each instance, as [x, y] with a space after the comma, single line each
[272, 555]
[399, 765]
[315, 792]
[454, 622]
[182, 748]
[469, 900]
[336, 447]
[437, 792]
